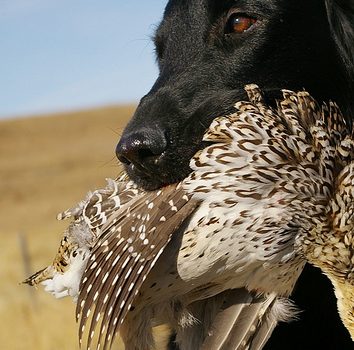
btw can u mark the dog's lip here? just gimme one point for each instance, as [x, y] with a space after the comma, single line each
[149, 169]
[155, 175]
[148, 166]
[147, 180]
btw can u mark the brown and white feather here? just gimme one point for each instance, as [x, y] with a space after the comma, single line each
[237, 222]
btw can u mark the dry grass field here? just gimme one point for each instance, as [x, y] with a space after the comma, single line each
[47, 165]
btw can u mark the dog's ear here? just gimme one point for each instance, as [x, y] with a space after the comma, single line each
[341, 19]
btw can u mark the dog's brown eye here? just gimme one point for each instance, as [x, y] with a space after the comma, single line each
[239, 23]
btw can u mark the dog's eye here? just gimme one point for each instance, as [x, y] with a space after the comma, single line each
[239, 23]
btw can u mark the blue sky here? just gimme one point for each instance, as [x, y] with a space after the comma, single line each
[70, 54]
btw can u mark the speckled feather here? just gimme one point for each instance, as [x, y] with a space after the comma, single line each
[243, 223]
[264, 165]
[327, 240]
[130, 243]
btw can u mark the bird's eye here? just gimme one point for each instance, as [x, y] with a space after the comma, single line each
[239, 23]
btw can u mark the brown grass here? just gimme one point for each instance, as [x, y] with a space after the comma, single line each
[47, 165]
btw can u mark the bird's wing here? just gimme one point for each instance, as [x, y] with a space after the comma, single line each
[130, 244]
[98, 205]
[245, 320]
[103, 203]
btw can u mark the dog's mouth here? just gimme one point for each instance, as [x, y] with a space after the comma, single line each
[156, 172]
[151, 182]
[171, 166]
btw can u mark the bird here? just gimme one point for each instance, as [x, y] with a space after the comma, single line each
[271, 190]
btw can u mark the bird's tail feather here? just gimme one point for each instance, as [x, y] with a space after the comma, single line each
[234, 320]
[279, 310]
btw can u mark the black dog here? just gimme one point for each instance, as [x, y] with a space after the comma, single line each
[207, 50]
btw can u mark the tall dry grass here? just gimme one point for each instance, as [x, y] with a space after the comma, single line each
[47, 164]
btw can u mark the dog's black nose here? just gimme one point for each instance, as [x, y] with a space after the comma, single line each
[141, 147]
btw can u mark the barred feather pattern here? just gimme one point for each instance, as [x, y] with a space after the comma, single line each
[247, 217]
[62, 277]
[131, 242]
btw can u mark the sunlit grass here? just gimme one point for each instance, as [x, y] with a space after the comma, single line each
[47, 165]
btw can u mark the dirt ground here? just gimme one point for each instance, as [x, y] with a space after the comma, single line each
[47, 164]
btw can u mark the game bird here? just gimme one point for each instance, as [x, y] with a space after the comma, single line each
[272, 189]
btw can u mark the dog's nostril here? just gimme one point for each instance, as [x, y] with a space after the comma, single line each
[141, 147]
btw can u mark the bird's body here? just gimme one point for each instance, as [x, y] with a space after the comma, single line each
[240, 220]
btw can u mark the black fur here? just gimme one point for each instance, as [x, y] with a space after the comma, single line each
[203, 71]
[294, 44]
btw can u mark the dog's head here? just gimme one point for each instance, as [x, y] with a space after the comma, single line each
[207, 50]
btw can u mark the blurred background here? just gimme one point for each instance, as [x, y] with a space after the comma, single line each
[65, 54]
[71, 75]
